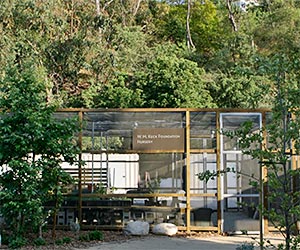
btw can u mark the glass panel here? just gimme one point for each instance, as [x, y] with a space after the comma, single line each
[133, 174]
[203, 130]
[162, 172]
[114, 130]
[119, 173]
[204, 211]
[201, 163]
[241, 199]
[232, 122]
[241, 171]
[106, 173]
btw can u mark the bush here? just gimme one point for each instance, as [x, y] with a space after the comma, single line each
[17, 242]
[39, 241]
[65, 240]
[96, 235]
[59, 242]
[93, 235]
[5, 239]
[245, 246]
[84, 237]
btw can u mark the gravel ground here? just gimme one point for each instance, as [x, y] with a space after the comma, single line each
[196, 241]
[115, 240]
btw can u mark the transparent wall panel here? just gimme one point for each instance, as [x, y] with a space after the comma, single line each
[106, 173]
[114, 130]
[232, 122]
[239, 205]
[204, 211]
[161, 172]
[201, 163]
[242, 170]
[203, 130]
[241, 199]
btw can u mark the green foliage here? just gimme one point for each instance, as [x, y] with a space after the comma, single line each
[33, 146]
[118, 94]
[166, 81]
[59, 242]
[245, 246]
[100, 189]
[104, 58]
[174, 82]
[92, 236]
[276, 155]
[239, 91]
[212, 175]
[64, 240]
[96, 235]
[102, 142]
[204, 25]
[67, 240]
[17, 242]
[84, 237]
[39, 241]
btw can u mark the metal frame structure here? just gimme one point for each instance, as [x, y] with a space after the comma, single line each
[188, 127]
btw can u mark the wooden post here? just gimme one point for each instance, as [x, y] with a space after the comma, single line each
[218, 158]
[188, 172]
[80, 115]
[264, 228]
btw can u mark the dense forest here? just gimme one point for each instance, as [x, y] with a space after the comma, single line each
[149, 53]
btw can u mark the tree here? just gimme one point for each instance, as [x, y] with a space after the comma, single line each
[279, 152]
[238, 89]
[171, 81]
[238, 69]
[32, 147]
[200, 27]
[276, 147]
[167, 80]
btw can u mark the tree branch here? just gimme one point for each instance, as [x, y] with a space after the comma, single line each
[190, 43]
[231, 16]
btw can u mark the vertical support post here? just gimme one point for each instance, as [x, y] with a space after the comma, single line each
[264, 229]
[294, 167]
[80, 115]
[93, 149]
[188, 165]
[218, 159]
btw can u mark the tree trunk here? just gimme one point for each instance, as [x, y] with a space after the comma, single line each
[97, 7]
[55, 218]
[137, 6]
[231, 16]
[190, 43]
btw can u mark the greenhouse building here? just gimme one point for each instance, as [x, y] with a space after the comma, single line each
[144, 164]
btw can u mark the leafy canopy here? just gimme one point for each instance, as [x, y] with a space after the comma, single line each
[33, 144]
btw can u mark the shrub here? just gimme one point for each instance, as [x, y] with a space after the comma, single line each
[17, 242]
[39, 241]
[66, 240]
[93, 235]
[96, 235]
[245, 246]
[84, 237]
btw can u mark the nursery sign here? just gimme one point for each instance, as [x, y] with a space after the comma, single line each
[152, 139]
